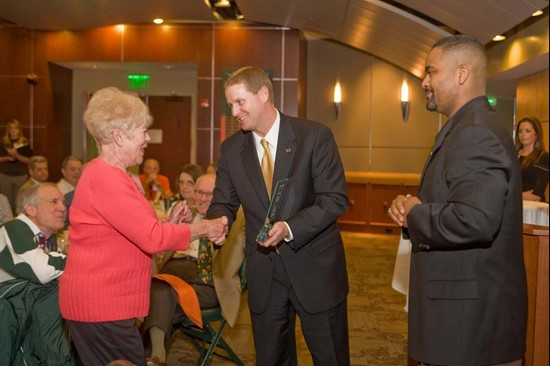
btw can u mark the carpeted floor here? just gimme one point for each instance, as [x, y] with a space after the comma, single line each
[377, 321]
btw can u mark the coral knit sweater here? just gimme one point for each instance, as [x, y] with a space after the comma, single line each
[114, 231]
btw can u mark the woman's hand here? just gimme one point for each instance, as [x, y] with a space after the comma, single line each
[181, 214]
[11, 154]
[529, 196]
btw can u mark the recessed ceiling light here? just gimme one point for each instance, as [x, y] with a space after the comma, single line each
[537, 13]
[158, 21]
[223, 4]
[499, 37]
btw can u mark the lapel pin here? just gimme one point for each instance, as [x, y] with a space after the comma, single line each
[288, 150]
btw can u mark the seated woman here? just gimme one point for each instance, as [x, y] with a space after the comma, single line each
[533, 159]
[185, 182]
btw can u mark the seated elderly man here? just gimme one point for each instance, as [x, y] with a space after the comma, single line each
[71, 168]
[211, 271]
[32, 330]
[155, 185]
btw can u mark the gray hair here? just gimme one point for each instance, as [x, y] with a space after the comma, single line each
[110, 109]
[30, 196]
[70, 158]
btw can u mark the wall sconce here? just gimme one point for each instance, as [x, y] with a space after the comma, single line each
[337, 99]
[405, 100]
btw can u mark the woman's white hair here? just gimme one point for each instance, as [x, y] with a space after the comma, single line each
[111, 109]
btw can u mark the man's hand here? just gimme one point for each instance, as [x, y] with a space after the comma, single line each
[151, 178]
[400, 208]
[217, 230]
[278, 232]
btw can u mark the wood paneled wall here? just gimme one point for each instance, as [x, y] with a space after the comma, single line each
[42, 108]
[532, 99]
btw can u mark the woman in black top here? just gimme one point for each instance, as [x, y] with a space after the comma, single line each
[533, 159]
[14, 156]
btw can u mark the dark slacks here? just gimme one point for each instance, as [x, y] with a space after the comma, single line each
[164, 309]
[98, 344]
[326, 333]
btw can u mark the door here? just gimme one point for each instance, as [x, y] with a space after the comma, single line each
[171, 115]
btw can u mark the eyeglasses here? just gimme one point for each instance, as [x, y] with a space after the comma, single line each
[203, 193]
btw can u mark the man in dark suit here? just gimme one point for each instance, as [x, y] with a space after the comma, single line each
[301, 267]
[467, 291]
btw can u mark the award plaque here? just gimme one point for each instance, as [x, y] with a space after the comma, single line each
[273, 210]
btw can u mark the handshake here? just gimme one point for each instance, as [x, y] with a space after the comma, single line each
[214, 230]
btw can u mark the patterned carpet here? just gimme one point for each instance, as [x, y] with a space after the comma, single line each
[377, 321]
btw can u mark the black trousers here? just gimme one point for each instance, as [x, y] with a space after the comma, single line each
[164, 309]
[98, 344]
[325, 333]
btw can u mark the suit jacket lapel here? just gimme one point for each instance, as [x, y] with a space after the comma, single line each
[251, 164]
[440, 137]
[286, 150]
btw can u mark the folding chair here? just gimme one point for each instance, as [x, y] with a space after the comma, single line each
[208, 339]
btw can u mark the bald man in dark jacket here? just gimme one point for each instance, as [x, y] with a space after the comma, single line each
[467, 291]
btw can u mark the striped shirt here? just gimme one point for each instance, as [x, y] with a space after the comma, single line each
[21, 255]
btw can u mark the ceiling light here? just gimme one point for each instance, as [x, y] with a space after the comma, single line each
[499, 37]
[158, 21]
[223, 4]
[224, 9]
[537, 13]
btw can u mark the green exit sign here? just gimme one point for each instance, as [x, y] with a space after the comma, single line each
[137, 81]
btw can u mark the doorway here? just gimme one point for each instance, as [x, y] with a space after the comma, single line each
[172, 116]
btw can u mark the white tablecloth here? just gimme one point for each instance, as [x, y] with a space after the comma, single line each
[533, 213]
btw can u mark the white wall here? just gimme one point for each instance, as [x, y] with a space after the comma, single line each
[371, 135]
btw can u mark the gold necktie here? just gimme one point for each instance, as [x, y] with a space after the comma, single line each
[267, 167]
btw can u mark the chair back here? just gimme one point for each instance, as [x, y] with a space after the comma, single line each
[242, 274]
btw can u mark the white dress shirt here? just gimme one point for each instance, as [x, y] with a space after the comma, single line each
[272, 138]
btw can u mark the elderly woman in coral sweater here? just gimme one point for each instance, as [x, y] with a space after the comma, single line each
[114, 232]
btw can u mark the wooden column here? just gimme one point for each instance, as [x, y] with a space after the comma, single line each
[535, 242]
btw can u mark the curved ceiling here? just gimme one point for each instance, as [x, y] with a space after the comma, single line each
[381, 28]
